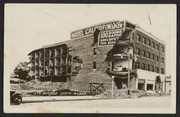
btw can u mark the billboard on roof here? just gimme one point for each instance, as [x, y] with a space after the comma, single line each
[109, 37]
[112, 25]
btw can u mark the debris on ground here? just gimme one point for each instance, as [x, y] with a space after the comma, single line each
[123, 93]
[37, 85]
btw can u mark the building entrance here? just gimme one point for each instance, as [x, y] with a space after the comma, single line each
[121, 83]
[141, 86]
[158, 83]
[149, 86]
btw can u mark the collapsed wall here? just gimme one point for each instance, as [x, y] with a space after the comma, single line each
[83, 49]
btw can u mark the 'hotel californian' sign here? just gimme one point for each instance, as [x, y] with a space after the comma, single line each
[113, 25]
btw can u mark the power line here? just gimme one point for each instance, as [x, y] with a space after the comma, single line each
[58, 18]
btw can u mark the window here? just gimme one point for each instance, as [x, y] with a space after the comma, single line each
[47, 53]
[143, 66]
[144, 40]
[148, 67]
[138, 51]
[143, 53]
[94, 51]
[162, 71]
[152, 56]
[157, 58]
[153, 45]
[46, 62]
[162, 49]
[94, 65]
[96, 33]
[157, 47]
[69, 69]
[152, 68]
[157, 69]
[70, 58]
[162, 60]
[70, 49]
[148, 42]
[77, 67]
[138, 38]
[148, 55]
[52, 52]
[33, 57]
[42, 54]
[75, 58]
[137, 65]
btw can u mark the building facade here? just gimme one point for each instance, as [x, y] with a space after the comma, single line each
[95, 54]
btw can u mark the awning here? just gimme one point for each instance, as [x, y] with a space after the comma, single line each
[117, 57]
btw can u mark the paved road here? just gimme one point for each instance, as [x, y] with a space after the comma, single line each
[136, 105]
[149, 102]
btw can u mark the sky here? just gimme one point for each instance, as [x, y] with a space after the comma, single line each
[31, 26]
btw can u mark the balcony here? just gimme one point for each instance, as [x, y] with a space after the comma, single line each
[51, 65]
[41, 66]
[37, 66]
[52, 55]
[64, 64]
[58, 55]
[47, 55]
[119, 56]
[126, 42]
[37, 59]
[32, 67]
[121, 74]
[42, 56]
[64, 52]
[32, 58]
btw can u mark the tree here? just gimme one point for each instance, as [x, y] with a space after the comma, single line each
[21, 70]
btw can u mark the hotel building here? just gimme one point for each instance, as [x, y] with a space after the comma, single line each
[98, 53]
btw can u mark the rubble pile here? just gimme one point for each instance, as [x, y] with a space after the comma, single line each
[18, 87]
[124, 93]
[37, 85]
[82, 80]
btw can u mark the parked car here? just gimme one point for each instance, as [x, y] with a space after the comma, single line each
[15, 98]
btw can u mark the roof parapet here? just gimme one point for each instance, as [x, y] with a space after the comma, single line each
[149, 34]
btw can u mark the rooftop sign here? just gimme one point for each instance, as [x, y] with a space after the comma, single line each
[109, 37]
[113, 25]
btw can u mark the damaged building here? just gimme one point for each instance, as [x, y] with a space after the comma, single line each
[97, 53]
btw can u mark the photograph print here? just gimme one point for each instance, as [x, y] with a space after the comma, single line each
[90, 58]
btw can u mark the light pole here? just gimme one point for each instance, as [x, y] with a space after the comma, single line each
[112, 84]
[128, 69]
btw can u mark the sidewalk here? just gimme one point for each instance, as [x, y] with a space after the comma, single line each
[58, 98]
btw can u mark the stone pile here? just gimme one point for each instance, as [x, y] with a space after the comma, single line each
[124, 93]
[37, 85]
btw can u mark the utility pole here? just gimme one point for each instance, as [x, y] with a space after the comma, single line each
[128, 69]
[19, 82]
[112, 84]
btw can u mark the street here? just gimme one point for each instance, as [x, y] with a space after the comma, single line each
[163, 102]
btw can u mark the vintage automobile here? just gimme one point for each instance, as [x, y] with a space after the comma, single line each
[15, 98]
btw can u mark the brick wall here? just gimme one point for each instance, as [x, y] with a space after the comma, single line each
[83, 48]
[149, 49]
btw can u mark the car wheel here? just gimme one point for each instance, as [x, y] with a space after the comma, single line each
[17, 100]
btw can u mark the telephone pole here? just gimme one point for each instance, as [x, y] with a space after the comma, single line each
[112, 86]
[128, 69]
